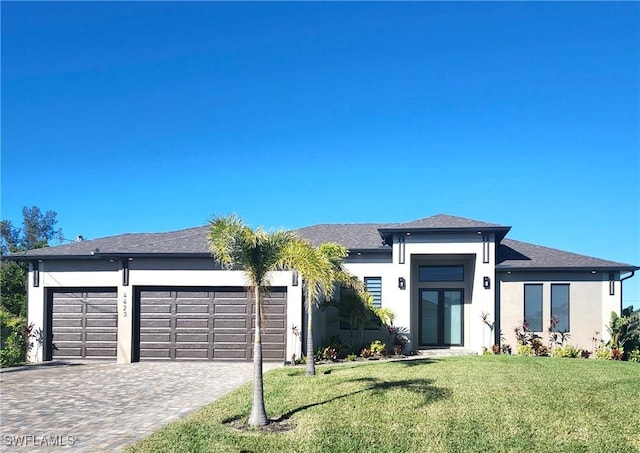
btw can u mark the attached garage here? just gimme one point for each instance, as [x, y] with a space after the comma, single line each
[214, 323]
[83, 324]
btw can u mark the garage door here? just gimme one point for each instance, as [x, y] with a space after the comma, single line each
[84, 325]
[208, 324]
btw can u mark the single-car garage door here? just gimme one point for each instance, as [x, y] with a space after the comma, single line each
[84, 324]
[208, 324]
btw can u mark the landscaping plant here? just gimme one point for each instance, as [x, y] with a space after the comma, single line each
[624, 331]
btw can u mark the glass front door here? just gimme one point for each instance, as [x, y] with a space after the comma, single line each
[441, 315]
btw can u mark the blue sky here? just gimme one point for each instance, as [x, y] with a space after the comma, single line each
[138, 117]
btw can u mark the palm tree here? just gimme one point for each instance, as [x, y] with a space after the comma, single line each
[320, 268]
[256, 252]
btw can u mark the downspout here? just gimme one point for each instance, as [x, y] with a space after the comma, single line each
[621, 280]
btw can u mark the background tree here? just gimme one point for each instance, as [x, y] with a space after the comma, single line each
[320, 268]
[257, 252]
[38, 230]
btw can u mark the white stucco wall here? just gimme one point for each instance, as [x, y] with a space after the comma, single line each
[466, 249]
[146, 272]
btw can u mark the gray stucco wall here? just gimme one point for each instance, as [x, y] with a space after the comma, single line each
[589, 311]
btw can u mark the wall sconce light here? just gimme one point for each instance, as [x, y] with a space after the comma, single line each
[294, 278]
[36, 273]
[125, 272]
[486, 282]
[402, 283]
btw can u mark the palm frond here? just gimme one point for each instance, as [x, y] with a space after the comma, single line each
[225, 236]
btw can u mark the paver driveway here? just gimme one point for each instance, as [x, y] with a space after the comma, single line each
[106, 406]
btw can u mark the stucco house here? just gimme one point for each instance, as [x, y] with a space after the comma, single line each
[161, 296]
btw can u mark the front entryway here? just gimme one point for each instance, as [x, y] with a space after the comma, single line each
[441, 317]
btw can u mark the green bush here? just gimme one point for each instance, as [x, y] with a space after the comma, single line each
[566, 351]
[14, 339]
[378, 348]
[634, 356]
[525, 349]
[624, 331]
[603, 353]
[335, 349]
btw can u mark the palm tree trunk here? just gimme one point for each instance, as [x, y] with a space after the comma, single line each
[311, 366]
[258, 415]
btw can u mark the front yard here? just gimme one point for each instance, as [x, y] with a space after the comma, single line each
[470, 403]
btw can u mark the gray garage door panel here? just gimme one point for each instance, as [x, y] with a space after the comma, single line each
[84, 325]
[208, 325]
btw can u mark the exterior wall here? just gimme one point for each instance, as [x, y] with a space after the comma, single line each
[378, 265]
[590, 304]
[146, 272]
[467, 248]
[419, 249]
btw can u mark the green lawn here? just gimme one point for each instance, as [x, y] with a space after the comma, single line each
[465, 404]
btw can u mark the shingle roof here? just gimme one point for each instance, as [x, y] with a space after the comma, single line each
[189, 241]
[441, 221]
[352, 236]
[358, 236]
[523, 255]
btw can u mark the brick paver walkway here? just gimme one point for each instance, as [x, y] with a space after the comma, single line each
[105, 406]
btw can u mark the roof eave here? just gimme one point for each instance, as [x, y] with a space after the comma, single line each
[622, 268]
[501, 231]
[371, 250]
[100, 255]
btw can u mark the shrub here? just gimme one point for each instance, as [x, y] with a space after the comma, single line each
[506, 349]
[485, 351]
[616, 354]
[541, 351]
[366, 353]
[15, 339]
[585, 354]
[538, 348]
[397, 337]
[351, 357]
[330, 353]
[603, 353]
[13, 350]
[378, 348]
[495, 349]
[525, 349]
[634, 356]
[333, 350]
[624, 331]
[529, 342]
[566, 351]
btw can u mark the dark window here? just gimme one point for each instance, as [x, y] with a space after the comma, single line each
[560, 306]
[533, 307]
[374, 288]
[441, 273]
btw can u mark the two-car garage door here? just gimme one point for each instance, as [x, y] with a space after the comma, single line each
[208, 324]
[170, 324]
